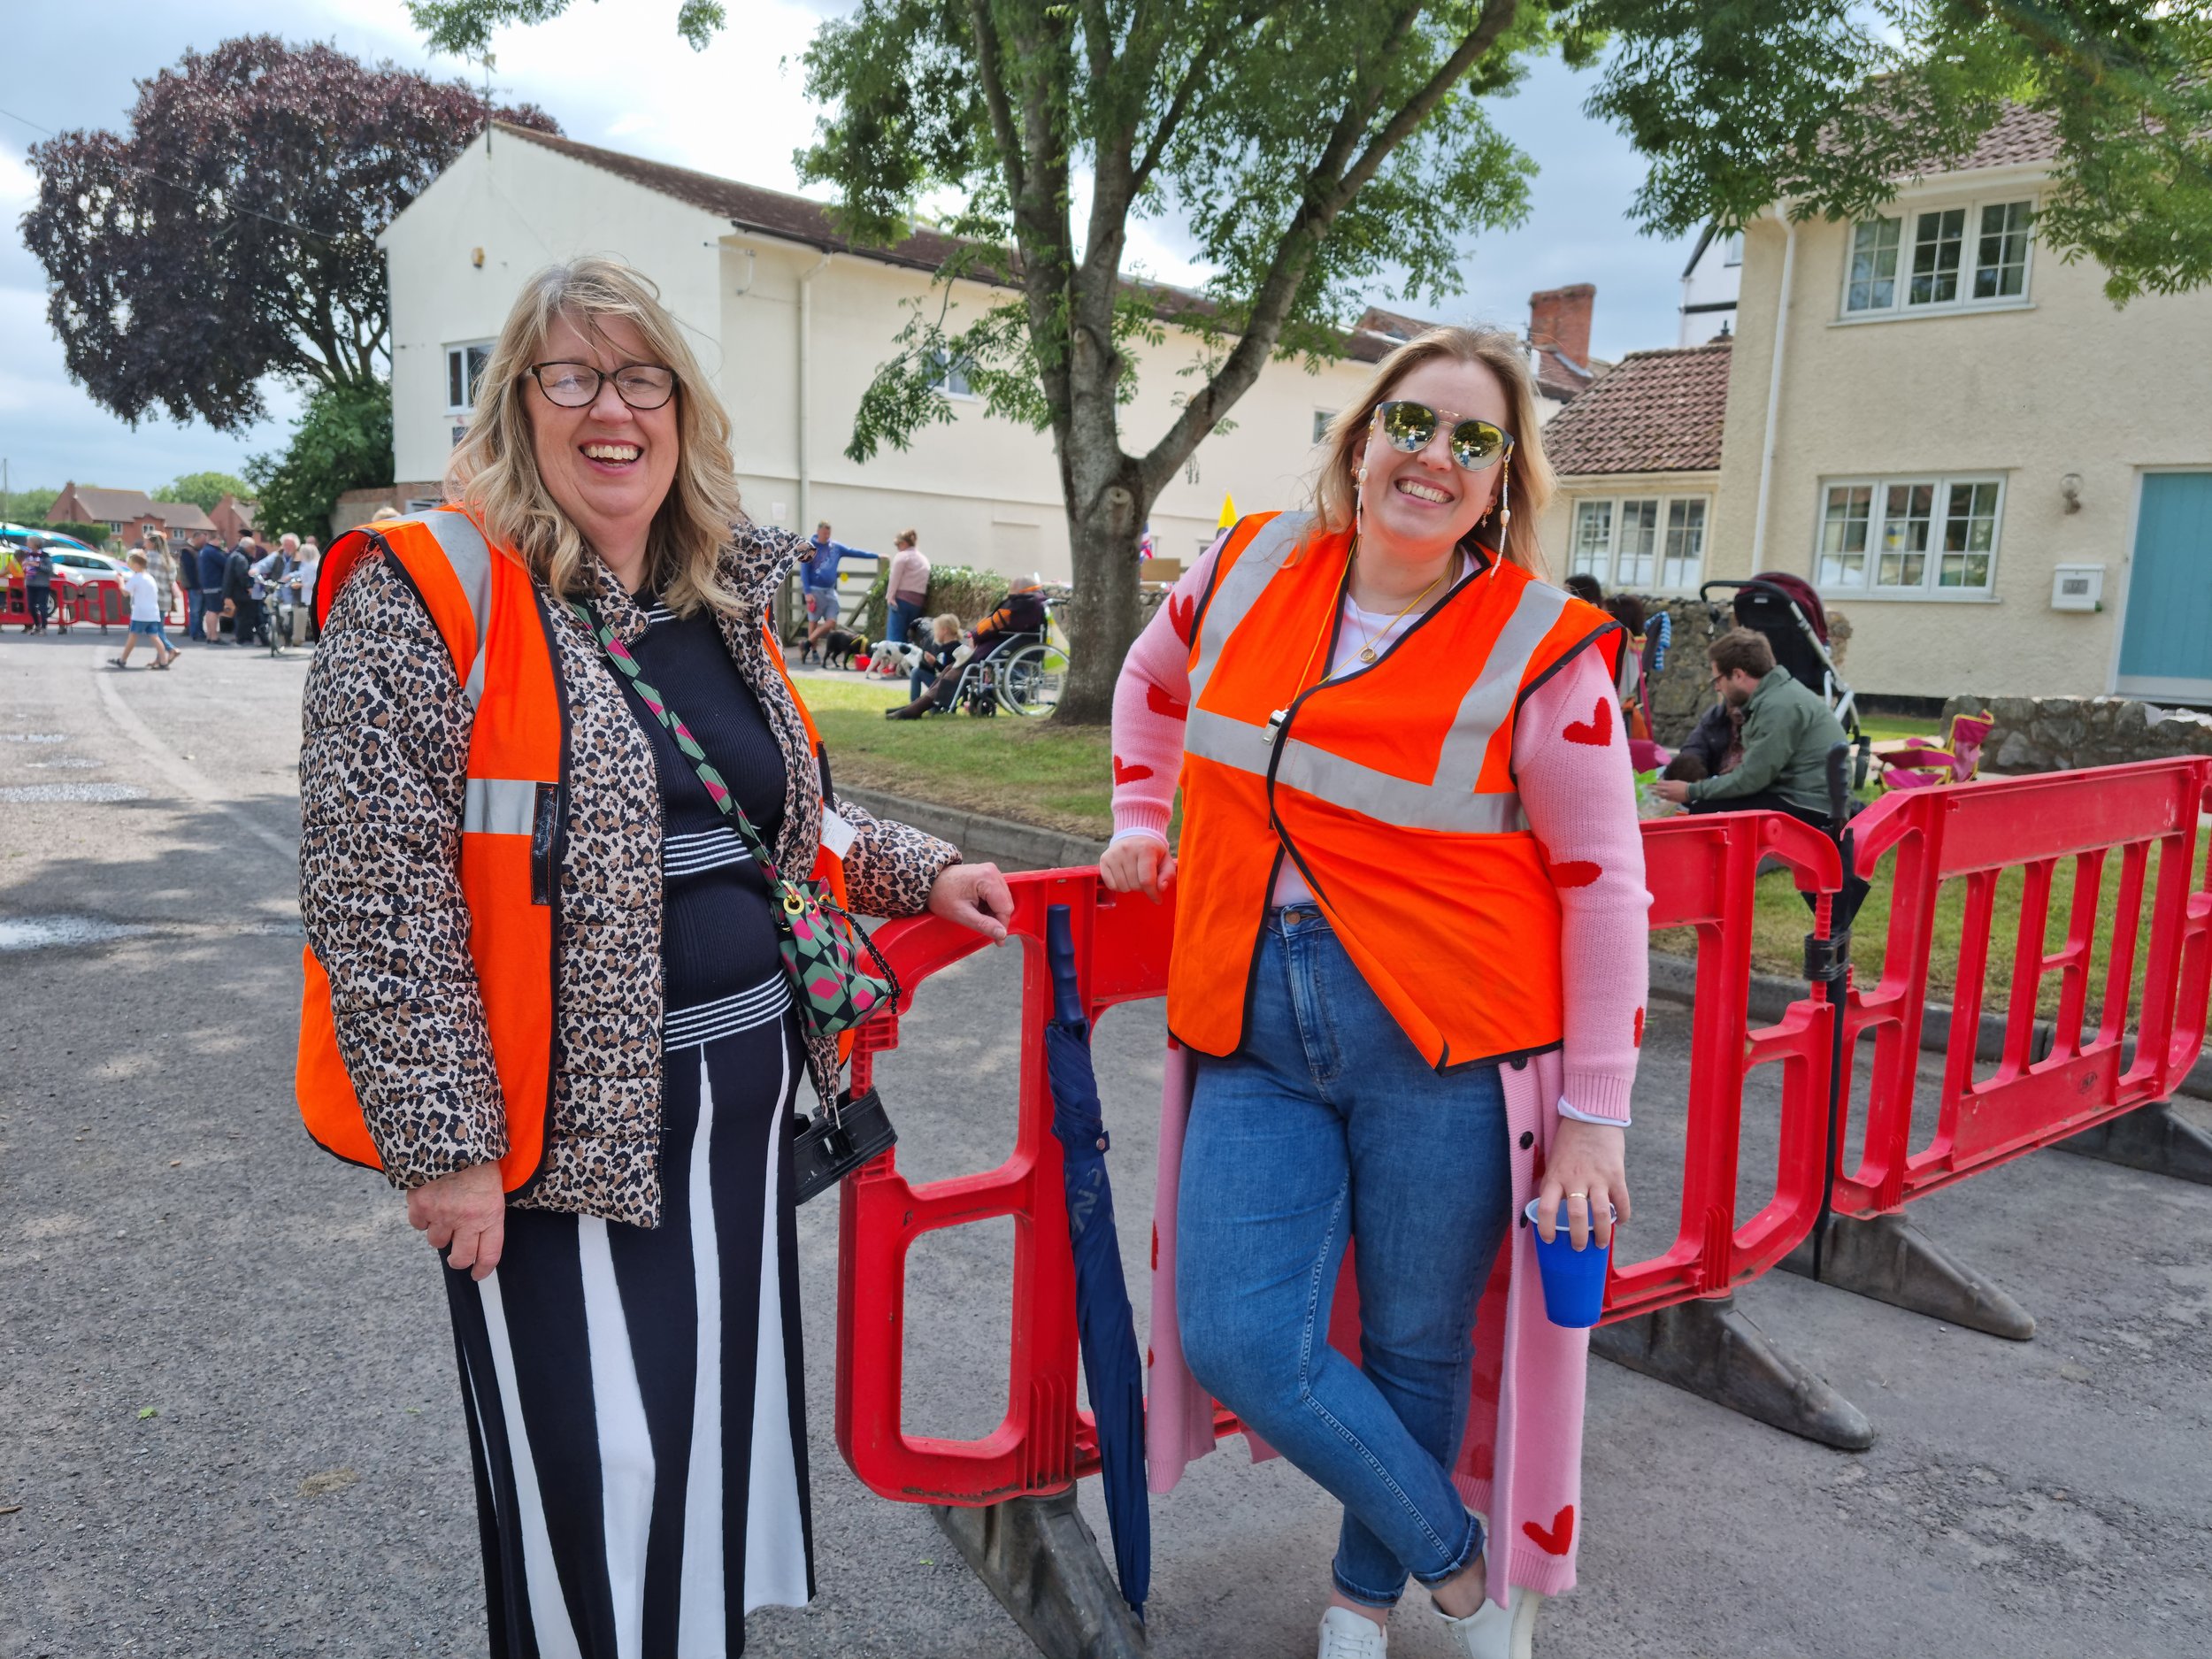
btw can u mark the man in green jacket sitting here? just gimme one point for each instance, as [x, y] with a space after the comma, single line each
[1788, 732]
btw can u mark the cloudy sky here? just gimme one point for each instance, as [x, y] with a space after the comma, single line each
[613, 73]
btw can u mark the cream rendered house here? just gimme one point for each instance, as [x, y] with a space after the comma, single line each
[792, 322]
[2006, 480]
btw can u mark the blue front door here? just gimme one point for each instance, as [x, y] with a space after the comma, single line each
[2166, 649]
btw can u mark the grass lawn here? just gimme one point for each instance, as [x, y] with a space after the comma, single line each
[1781, 921]
[1032, 770]
[1038, 771]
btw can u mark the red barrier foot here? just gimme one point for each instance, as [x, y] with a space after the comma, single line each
[1715, 1350]
[2154, 1138]
[1041, 1559]
[1891, 1260]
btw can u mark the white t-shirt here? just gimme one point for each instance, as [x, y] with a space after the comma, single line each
[145, 601]
[1370, 630]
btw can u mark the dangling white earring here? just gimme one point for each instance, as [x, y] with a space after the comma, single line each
[1504, 507]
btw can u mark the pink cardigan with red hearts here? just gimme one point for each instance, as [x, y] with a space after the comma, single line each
[1520, 1461]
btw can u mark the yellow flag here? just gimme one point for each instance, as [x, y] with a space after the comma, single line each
[1228, 512]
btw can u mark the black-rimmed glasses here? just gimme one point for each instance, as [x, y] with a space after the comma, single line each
[576, 384]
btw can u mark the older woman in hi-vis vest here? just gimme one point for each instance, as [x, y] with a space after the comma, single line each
[544, 992]
[1406, 994]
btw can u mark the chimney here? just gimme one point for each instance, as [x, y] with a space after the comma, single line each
[1559, 319]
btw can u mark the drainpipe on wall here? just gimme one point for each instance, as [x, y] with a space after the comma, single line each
[805, 525]
[1774, 403]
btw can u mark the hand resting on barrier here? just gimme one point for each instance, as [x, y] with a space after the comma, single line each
[1587, 1168]
[1136, 863]
[974, 896]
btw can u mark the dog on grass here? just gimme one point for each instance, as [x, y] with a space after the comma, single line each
[839, 645]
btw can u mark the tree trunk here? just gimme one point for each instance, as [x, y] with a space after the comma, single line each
[1104, 544]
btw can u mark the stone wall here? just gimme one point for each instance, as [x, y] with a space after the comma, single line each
[2061, 733]
[1685, 690]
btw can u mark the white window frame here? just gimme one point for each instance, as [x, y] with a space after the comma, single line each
[460, 349]
[1907, 214]
[1664, 503]
[949, 374]
[1321, 419]
[1931, 586]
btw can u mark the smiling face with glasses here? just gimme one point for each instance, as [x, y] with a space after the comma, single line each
[603, 430]
[1429, 469]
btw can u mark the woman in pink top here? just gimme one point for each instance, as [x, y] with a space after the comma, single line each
[907, 587]
[1327, 1126]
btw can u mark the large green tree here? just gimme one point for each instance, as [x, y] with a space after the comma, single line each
[203, 490]
[343, 441]
[229, 234]
[1318, 153]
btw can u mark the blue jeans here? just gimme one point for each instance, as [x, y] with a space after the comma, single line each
[1327, 1126]
[901, 616]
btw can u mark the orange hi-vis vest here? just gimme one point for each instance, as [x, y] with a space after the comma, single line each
[1391, 787]
[498, 628]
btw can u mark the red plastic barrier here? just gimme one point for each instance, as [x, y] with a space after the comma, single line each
[1973, 833]
[1701, 872]
[1121, 949]
[98, 602]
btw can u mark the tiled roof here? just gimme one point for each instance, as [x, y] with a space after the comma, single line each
[1560, 378]
[182, 515]
[746, 206]
[112, 506]
[1379, 332]
[1656, 412]
[2021, 136]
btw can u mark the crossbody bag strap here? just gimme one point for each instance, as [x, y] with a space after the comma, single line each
[717, 789]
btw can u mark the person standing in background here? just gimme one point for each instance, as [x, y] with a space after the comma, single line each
[818, 575]
[907, 587]
[214, 564]
[236, 595]
[302, 581]
[38, 581]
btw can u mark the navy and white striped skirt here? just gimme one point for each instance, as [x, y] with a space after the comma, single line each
[636, 1397]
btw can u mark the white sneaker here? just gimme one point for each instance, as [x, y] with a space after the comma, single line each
[1347, 1635]
[1492, 1631]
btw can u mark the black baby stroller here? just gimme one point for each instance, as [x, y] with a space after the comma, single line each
[1786, 609]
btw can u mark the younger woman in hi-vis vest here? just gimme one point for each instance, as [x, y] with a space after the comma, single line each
[543, 989]
[1406, 994]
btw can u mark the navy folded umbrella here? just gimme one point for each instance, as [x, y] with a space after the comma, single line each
[1105, 1324]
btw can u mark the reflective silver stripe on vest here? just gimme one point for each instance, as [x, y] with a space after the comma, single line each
[1489, 702]
[1235, 594]
[471, 558]
[1450, 801]
[499, 806]
[1377, 795]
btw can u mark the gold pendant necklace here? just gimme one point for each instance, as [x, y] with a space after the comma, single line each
[1367, 652]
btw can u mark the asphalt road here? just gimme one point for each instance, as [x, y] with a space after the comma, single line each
[229, 1422]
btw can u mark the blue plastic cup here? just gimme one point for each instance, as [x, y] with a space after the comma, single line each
[1574, 1280]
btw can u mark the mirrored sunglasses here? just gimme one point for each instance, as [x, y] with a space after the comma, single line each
[574, 385]
[1475, 444]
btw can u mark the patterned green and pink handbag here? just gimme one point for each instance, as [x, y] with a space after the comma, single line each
[822, 946]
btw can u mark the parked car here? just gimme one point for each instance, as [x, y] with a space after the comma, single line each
[12, 536]
[79, 563]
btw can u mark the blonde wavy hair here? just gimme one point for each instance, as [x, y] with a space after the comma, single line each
[1528, 475]
[494, 469]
